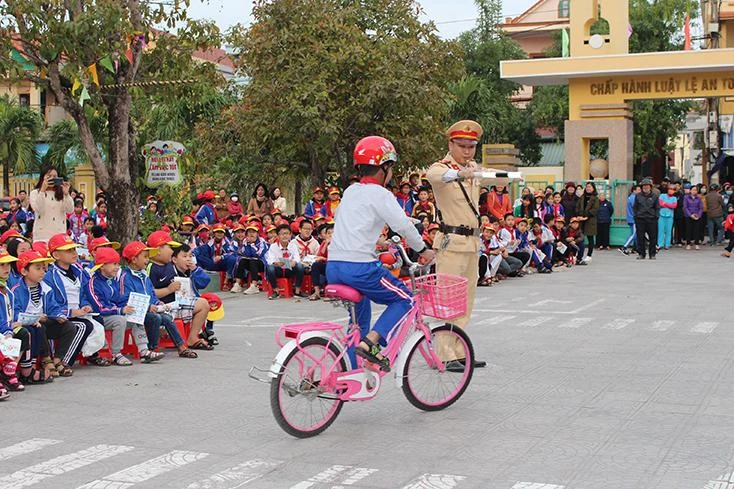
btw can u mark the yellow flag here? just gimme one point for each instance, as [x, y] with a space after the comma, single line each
[76, 86]
[92, 70]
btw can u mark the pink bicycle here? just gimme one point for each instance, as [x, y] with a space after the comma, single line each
[312, 375]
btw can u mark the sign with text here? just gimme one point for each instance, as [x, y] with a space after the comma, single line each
[162, 163]
[656, 87]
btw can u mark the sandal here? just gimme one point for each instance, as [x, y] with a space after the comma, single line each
[187, 353]
[63, 370]
[99, 361]
[11, 382]
[201, 345]
[371, 354]
[209, 337]
[151, 356]
[49, 367]
[314, 297]
[31, 380]
[121, 360]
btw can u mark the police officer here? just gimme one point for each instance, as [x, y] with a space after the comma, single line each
[456, 191]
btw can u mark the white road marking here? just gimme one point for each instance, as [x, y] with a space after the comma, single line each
[533, 322]
[662, 325]
[25, 447]
[237, 476]
[60, 465]
[146, 470]
[704, 328]
[435, 481]
[725, 481]
[493, 320]
[536, 485]
[354, 476]
[328, 475]
[587, 306]
[545, 302]
[575, 323]
[619, 324]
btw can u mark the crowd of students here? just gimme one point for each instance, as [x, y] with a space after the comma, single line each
[57, 307]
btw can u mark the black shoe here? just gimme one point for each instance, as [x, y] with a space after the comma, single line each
[274, 296]
[640, 257]
[477, 363]
[455, 366]
[652, 257]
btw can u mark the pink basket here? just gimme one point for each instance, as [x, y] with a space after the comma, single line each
[444, 295]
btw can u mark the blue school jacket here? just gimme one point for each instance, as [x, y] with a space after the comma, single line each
[129, 282]
[104, 295]
[6, 320]
[258, 249]
[205, 253]
[49, 305]
[54, 281]
[162, 275]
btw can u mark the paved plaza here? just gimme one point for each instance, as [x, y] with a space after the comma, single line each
[617, 375]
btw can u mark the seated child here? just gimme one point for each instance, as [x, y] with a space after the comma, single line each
[252, 259]
[34, 297]
[104, 290]
[9, 375]
[575, 238]
[68, 282]
[318, 269]
[135, 279]
[284, 261]
[541, 240]
[171, 260]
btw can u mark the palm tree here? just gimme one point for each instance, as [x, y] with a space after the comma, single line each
[65, 145]
[19, 130]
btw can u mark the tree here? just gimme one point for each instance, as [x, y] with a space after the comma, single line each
[483, 95]
[319, 81]
[91, 53]
[19, 129]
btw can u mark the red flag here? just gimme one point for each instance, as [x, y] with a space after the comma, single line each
[687, 31]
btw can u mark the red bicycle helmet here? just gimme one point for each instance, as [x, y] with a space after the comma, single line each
[374, 151]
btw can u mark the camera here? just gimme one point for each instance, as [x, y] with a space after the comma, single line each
[57, 182]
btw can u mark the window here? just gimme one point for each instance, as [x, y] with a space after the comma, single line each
[564, 9]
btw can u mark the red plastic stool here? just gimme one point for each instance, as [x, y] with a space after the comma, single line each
[129, 347]
[307, 285]
[285, 287]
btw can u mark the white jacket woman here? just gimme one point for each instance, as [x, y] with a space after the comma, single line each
[51, 203]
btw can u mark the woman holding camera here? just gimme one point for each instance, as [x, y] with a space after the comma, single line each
[51, 203]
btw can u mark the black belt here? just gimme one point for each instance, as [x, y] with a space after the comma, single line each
[460, 230]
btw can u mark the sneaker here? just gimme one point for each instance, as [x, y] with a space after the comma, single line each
[587, 260]
[236, 288]
[640, 257]
[252, 289]
[688, 247]
[275, 295]
[653, 258]
[622, 250]
[698, 247]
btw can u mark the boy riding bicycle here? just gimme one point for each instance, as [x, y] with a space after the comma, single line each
[365, 208]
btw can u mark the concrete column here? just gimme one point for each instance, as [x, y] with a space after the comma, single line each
[578, 137]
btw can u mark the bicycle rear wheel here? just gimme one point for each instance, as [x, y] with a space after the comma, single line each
[300, 406]
[424, 385]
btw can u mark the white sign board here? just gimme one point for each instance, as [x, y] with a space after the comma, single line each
[162, 165]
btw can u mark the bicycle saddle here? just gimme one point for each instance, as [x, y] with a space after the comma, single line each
[344, 292]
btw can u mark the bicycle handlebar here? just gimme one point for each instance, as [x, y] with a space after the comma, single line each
[412, 266]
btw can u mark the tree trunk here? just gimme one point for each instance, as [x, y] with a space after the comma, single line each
[122, 192]
[6, 178]
[298, 196]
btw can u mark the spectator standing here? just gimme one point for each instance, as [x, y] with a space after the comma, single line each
[693, 210]
[715, 216]
[234, 207]
[668, 204]
[646, 211]
[51, 203]
[279, 201]
[587, 208]
[569, 200]
[679, 218]
[260, 203]
[498, 202]
[604, 221]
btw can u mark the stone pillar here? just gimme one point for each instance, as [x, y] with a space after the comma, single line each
[600, 122]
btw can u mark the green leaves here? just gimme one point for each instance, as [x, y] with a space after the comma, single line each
[19, 129]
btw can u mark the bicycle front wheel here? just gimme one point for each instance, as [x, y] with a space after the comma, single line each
[424, 385]
[301, 406]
